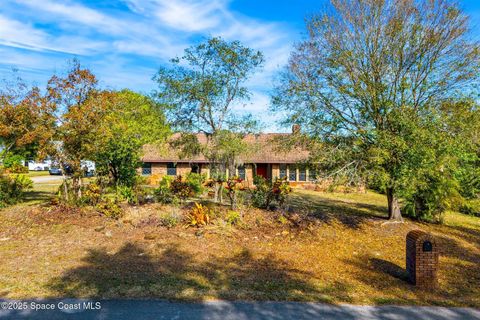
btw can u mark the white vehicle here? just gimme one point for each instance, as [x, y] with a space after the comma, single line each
[49, 164]
[89, 165]
[39, 166]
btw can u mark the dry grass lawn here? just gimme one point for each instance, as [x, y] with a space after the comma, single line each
[333, 248]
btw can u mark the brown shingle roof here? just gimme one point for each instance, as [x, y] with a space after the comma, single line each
[267, 146]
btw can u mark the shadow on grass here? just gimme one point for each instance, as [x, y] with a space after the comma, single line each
[472, 235]
[389, 268]
[350, 214]
[37, 196]
[462, 276]
[175, 274]
[459, 271]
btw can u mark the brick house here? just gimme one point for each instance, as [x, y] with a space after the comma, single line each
[267, 159]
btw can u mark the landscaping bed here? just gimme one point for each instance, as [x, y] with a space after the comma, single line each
[328, 247]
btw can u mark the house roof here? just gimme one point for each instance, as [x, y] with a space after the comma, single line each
[267, 148]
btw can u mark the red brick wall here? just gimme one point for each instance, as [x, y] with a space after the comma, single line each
[422, 267]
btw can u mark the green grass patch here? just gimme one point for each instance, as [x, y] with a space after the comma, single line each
[38, 173]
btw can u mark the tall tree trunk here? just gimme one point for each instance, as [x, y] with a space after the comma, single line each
[80, 183]
[393, 206]
[220, 193]
[65, 186]
[216, 190]
[232, 194]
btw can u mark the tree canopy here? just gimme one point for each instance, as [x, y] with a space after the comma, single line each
[200, 91]
[369, 83]
[201, 88]
[26, 121]
[132, 121]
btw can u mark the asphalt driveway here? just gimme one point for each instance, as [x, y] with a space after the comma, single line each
[222, 310]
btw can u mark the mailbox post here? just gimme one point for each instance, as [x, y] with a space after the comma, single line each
[422, 259]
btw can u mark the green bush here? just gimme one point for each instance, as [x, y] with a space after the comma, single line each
[91, 194]
[196, 182]
[469, 179]
[109, 208]
[233, 217]
[430, 201]
[267, 194]
[170, 219]
[181, 188]
[133, 195]
[127, 193]
[163, 194]
[14, 163]
[260, 194]
[471, 207]
[13, 187]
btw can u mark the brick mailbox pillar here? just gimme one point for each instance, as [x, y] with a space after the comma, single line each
[422, 259]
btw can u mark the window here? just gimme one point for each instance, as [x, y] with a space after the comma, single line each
[171, 169]
[146, 169]
[283, 170]
[195, 168]
[302, 174]
[241, 172]
[292, 173]
[312, 174]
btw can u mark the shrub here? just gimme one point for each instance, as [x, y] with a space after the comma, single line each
[429, 202]
[266, 194]
[181, 188]
[260, 193]
[92, 194]
[170, 219]
[280, 190]
[196, 183]
[13, 163]
[163, 194]
[17, 168]
[140, 180]
[127, 193]
[471, 207]
[13, 187]
[469, 179]
[233, 217]
[199, 216]
[109, 208]
[133, 195]
[233, 185]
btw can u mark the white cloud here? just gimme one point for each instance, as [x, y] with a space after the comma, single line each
[152, 30]
[14, 33]
[183, 15]
[74, 12]
[190, 16]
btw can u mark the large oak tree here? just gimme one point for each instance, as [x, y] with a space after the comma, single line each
[369, 81]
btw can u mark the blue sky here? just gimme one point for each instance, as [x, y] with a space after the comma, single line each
[125, 41]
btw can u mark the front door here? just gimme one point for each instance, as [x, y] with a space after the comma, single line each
[262, 170]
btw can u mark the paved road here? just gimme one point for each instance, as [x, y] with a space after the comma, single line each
[222, 310]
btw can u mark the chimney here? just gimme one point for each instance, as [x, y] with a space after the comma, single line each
[296, 129]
